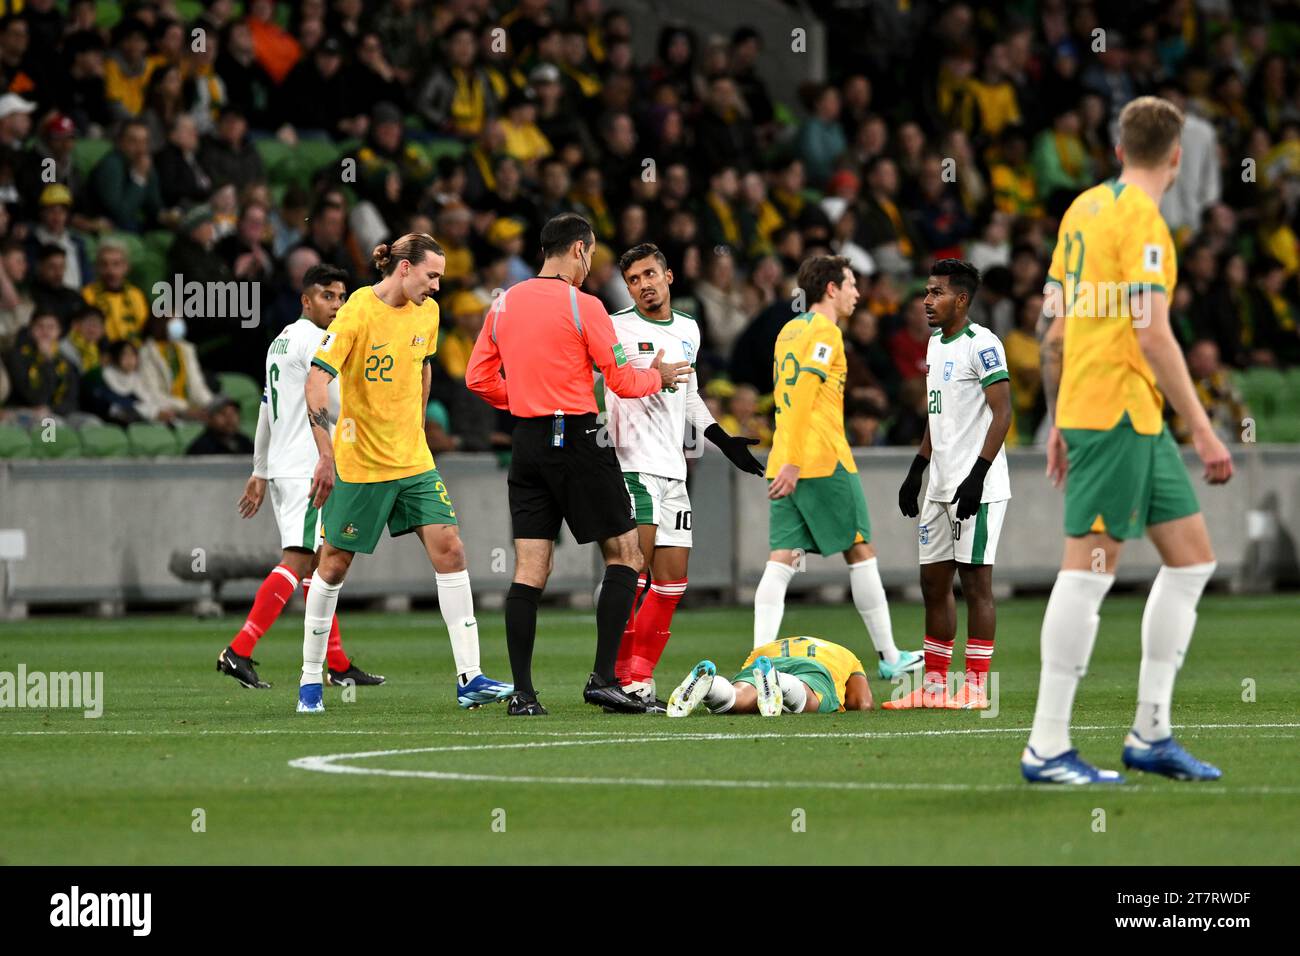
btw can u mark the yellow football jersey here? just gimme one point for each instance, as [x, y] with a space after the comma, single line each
[840, 661]
[378, 354]
[809, 367]
[1112, 240]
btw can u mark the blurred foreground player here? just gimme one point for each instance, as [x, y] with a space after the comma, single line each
[284, 457]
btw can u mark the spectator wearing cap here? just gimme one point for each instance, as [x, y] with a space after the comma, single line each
[556, 119]
[52, 229]
[42, 381]
[127, 68]
[193, 254]
[53, 145]
[314, 98]
[80, 91]
[275, 47]
[222, 435]
[48, 291]
[183, 180]
[386, 152]
[506, 235]
[458, 96]
[15, 121]
[124, 184]
[121, 303]
[169, 366]
[228, 155]
[84, 339]
[246, 83]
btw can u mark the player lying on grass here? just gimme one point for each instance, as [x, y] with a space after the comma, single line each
[284, 457]
[799, 675]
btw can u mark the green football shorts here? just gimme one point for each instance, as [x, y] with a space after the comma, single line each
[824, 515]
[355, 513]
[811, 672]
[1119, 482]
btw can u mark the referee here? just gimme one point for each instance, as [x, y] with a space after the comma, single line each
[534, 356]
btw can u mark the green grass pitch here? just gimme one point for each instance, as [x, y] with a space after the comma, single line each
[586, 787]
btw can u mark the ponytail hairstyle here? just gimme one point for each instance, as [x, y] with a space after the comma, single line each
[413, 247]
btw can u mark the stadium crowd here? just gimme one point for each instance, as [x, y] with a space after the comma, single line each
[248, 142]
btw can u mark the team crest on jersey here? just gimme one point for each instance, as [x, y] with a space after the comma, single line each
[645, 346]
[349, 530]
[990, 359]
[417, 340]
[688, 350]
[947, 371]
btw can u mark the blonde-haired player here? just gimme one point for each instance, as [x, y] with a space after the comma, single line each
[795, 675]
[1111, 349]
[377, 470]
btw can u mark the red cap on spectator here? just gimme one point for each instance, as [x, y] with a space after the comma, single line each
[843, 180]
[59, 125]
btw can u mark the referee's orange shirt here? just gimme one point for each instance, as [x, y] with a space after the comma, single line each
[536, 350]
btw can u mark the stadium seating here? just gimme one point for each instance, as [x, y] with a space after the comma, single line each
[87, 152]
[149, 440]
[186, 432]
[1264, 391]
[103, 441]
[14, 442]
[60, 441]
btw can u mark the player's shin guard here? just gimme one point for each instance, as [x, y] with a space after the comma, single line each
[456, 602]
[1069, 630]
[653, 625]
[272, 596]
[321, 602]
[794, 693]
[1167, 624]
[873, 608]
[335, 658]
[623, 665]
[769, 601]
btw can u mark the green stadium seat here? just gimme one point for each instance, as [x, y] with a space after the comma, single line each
[272, 151]
[186, 432]
[61, 441]
[148, 439]
[241, 388]
[86, 153]
[1279, 428]
[149, 268]
[1264, 390]
[14, 442]
[435, 149]
[315, 154]
[104, 441]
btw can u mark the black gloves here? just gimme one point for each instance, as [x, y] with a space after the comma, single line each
[971, 490]
[911, 490]
[736, 449]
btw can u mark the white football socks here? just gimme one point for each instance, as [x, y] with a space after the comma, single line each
[1069, 630]
[794, 692]
[456, 602]
[322, 598]
[1167, 624]
[869, 599]
[769, 601]
[721, 696]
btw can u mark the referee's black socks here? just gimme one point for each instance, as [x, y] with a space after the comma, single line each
[521, 633]
[617, 594]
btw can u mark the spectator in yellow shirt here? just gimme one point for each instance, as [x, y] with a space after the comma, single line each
[124, 306]
[524, 140]
[994, 93]
[1025, 367]
[127, 69]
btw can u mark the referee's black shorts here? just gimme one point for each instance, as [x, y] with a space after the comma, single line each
[580, 483]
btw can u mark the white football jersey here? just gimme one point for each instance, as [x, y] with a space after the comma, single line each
[958, 369]
[649, 433]
[291, 452]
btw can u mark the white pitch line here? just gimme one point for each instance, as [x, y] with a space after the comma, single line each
[328, 763]
[626, 735]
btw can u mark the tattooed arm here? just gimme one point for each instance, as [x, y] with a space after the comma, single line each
[317, 393]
